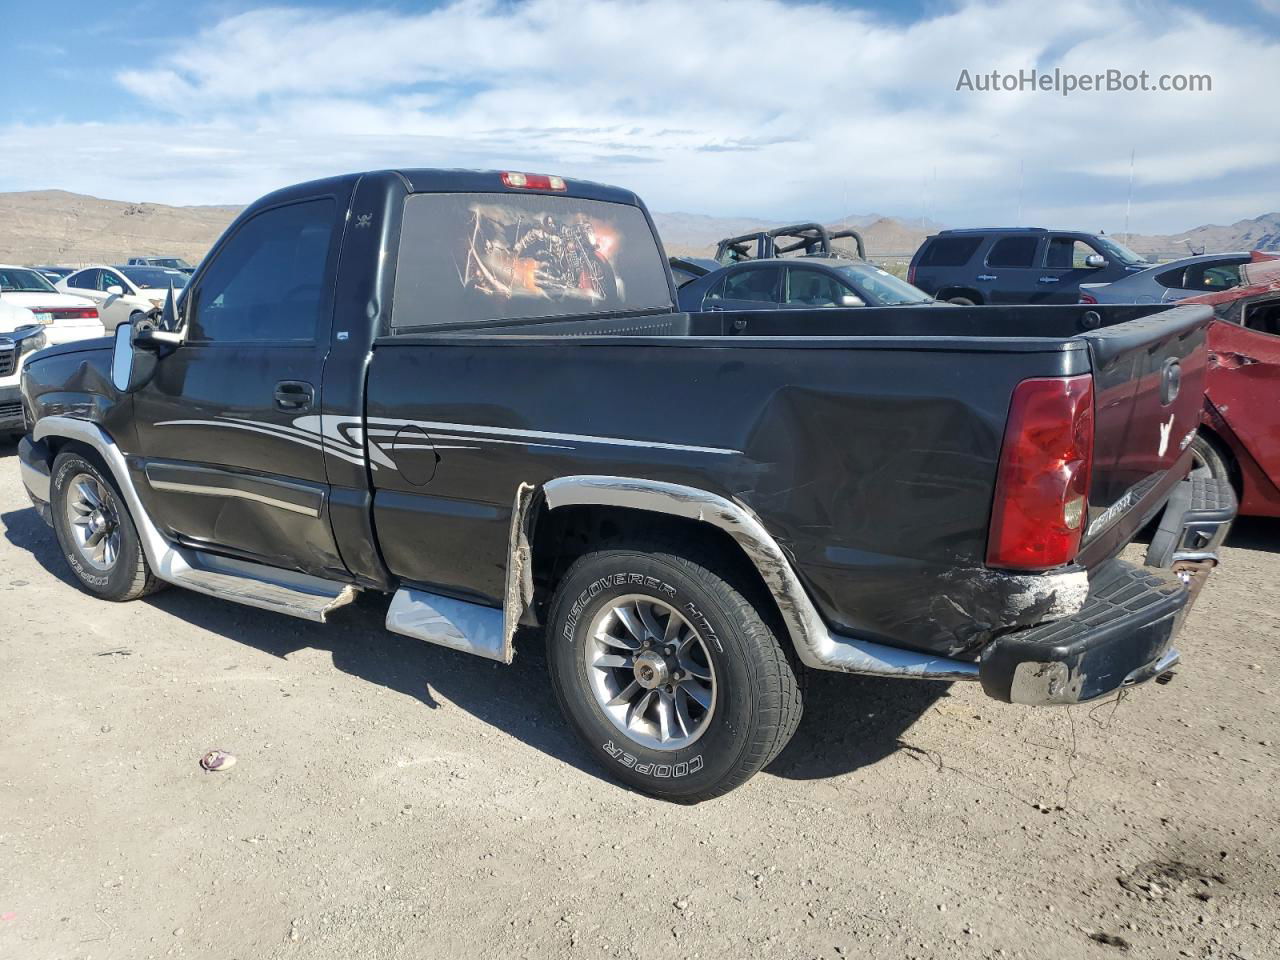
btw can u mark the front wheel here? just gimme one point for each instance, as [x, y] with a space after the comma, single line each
[94, 530]
[670, 674]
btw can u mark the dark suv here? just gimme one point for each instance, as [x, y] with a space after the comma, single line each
[1017, 264]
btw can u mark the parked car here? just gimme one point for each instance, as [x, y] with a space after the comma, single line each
[1175, 280]
[1017, 264]
[168, 263]
[124, 294]
[798, 284]
[506, 421]
[20, 335]
[684, 269]
[54, 274]
[65, 317]
[1240, 437]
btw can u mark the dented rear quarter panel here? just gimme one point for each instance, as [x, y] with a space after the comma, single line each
[1243, 388]
[872, 462]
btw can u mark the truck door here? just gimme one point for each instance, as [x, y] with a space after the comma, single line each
[232, 453]
[1009, 274]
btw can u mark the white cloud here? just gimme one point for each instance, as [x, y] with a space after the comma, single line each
[721, 106]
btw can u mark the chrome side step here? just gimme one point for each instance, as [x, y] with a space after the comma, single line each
[456, 624]
[256, 585]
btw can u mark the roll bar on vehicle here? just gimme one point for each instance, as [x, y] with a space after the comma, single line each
[812, 238]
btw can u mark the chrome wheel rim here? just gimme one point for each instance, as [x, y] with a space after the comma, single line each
[94, 521]
[650, 672]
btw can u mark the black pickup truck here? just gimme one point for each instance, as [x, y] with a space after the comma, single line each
[471, 391]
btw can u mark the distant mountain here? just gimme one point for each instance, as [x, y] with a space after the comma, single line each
[57, 227]
[1259, 233]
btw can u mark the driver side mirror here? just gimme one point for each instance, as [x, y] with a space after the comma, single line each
[116, 290]
[1095, 260]
[852, 300]
[138, 349]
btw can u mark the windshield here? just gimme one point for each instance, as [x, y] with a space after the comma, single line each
[155, 278]
[1118, 251]
[879, 287]
[19, 280]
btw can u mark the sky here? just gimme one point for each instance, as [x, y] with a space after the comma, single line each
[768, 108]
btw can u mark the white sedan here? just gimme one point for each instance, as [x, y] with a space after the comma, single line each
[123, 294]
[64, 317]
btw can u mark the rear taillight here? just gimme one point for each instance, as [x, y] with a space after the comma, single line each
[533, 181]
[73, 313]
[911, 273]
[1042, 486]
[1087, 297]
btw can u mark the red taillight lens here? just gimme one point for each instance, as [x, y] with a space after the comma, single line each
[533, 181]
[1042, 487]
[74, 313]
[1087, 297]
[911, 273]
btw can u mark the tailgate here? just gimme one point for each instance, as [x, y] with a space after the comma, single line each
[1149, 378]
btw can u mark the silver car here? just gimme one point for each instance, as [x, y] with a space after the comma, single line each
[1175, 280]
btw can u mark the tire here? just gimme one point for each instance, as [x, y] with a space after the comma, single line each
[961, 301]
[115, 569]
[1206, 456]
[735, 705]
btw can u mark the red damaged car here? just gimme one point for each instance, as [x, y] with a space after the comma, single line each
[1240, 431]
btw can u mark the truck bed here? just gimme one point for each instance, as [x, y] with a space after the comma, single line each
[868, 445]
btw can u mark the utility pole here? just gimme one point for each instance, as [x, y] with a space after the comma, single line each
[1128, 203]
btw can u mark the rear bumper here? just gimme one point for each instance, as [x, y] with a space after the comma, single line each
[1123, 634]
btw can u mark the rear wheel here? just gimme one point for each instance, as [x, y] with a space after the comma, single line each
[95, 531]
[673, 678]
[1205, 456]
[961, 301]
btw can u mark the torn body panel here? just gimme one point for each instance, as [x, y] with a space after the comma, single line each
[983, 601]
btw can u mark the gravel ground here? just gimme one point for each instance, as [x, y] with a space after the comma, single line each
[393, 799]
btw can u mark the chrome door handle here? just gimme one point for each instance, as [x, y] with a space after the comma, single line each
[986, 276]
[1050, 279]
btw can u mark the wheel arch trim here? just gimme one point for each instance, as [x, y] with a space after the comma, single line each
[160, 555]
[815, 644]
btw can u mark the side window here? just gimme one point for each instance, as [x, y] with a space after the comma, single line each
[108, 279]
[268, 281]
[1012, 252]
[85, 280]
[716, 292]
[1212, 276]
[950, 251]
[1263, 316]
[813, 288]
[1068, 253]
[1171, 279]
[760, 284]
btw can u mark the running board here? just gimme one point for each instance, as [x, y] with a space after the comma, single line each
[456, 624]
[257, 585]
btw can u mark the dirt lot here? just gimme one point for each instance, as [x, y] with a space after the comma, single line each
[397, 800]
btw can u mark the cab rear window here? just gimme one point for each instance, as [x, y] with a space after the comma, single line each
[467, 258]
